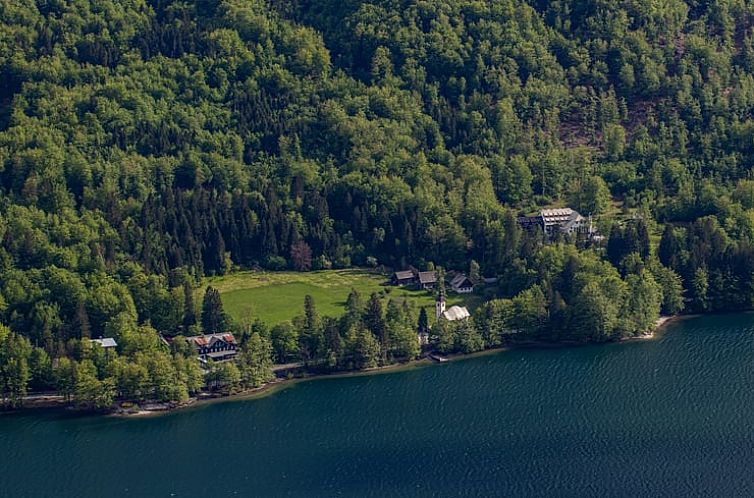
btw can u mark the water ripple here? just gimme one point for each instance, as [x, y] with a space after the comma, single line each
[670, 417]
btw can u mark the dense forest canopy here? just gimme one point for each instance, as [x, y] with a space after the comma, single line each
[145, 144]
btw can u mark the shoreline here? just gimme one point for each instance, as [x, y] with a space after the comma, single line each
[281, 384]
[56, 402]
[660, 325]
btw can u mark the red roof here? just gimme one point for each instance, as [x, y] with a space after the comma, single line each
[205, 340]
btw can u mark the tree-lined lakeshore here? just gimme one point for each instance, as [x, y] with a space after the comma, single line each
[147, 146]
[367, 336]
[296, 372]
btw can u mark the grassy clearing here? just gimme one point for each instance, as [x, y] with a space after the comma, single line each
[274, 297]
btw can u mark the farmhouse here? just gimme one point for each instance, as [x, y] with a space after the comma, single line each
[427, 279]
[423, 279]
[405, 277]
[462, 284]
[216, 347]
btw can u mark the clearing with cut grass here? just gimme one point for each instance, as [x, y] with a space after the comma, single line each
[274, 297]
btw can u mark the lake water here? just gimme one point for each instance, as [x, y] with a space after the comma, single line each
[668, 417]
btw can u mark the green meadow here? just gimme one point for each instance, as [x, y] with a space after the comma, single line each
[274, 297]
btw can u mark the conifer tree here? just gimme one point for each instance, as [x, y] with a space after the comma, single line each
[189, 310]
[474, 272]
[441, 291]
[310, 335]
[423, 324]
[375, 321]
[213, 316]
[642, 239]
[354, 308]
[81, 321]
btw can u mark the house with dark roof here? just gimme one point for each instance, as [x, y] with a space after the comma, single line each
[215, 347]
[461, 284]
[404, 277]
[427, 279]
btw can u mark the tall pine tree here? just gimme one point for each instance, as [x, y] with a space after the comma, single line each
[189, 309]
[214, 319]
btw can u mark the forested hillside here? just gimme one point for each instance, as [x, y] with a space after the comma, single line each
[145, 144]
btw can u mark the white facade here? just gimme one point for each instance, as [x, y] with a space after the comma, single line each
[439, 307]
[462, 284]
[565, 220]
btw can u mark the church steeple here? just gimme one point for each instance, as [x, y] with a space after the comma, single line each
[440, 305]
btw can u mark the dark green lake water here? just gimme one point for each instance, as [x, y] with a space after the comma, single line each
[670, 417]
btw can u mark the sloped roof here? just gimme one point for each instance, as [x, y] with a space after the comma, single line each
[107, 342]
[404, 275]
[560, 215]
[556, 212]
[574, 219]
[461, 280]
[456, 313]
[427, 277]
[209, 339]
